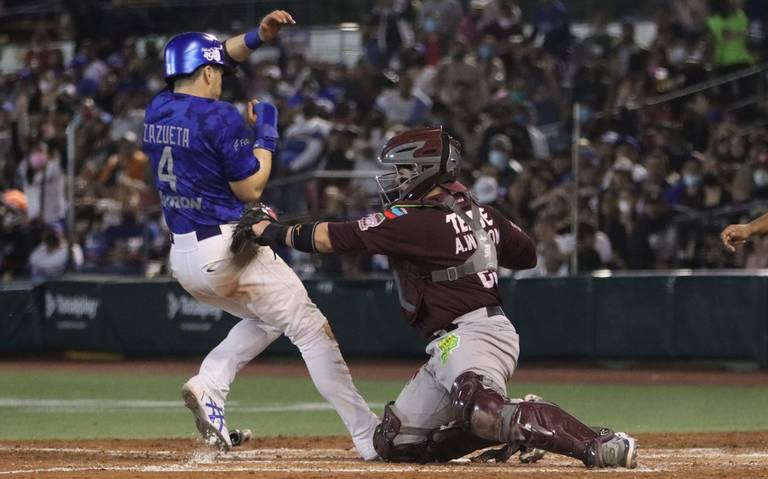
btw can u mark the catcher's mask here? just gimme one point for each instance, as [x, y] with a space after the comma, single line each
[420, 160]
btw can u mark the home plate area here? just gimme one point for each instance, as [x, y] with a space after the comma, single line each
[733, 455]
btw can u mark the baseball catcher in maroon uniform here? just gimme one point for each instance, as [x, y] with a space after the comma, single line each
[445, 249]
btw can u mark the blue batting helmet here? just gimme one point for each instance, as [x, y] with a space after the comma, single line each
[185, 52]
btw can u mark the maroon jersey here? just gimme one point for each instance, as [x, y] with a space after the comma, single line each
[421, 237]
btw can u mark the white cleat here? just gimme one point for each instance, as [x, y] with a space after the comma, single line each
[208, 408]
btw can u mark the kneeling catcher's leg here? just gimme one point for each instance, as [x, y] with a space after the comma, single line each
[438, 445]
[534, 424]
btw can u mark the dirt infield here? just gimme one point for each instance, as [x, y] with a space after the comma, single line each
[732, 455]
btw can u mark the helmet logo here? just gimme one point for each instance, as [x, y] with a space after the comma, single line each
[212, 54]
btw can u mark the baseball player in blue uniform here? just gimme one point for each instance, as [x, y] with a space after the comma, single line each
[208, 162]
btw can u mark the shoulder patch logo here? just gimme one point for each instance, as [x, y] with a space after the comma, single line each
[395, 212]
[371, 221]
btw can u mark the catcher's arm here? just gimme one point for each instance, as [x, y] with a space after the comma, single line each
[309, 237]
[735, 235]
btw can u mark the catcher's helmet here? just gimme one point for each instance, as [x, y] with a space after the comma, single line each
[421, 159]
[186, 52]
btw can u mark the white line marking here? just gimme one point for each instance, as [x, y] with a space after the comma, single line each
[90, 405]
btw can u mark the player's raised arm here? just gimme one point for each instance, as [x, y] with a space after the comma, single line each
[240, 46]
[735, 235]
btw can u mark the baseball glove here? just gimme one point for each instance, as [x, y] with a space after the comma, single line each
[245, 245]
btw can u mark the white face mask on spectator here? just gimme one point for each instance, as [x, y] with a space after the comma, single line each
[498, 159]
[691, 181]
[760, 177]
[625, 207]
[37, 160]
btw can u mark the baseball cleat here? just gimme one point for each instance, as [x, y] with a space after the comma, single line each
[208, 408]
[529, 456]
[238, 437]
[619, 451]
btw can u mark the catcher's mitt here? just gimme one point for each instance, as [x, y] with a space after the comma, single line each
[244, 244]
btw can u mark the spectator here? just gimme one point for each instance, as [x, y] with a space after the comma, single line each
[458, 79]
[393, 28]
[49, 259]
[552, 24]
[550, 262]
[507, 24]
[652, 243]
[403, 106]
[305, 140]
[42, 181]
[491, 67]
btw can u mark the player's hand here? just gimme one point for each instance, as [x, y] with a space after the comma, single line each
[735, 235]
[272, 23]
[250, 115]
[259, 228]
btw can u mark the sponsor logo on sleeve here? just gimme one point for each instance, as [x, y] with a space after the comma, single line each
[371, 221]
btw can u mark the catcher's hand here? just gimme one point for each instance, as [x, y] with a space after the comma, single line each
[244, 243]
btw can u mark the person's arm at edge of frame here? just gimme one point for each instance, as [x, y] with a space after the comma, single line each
[735, 235]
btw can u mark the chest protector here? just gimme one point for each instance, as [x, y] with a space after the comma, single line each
[482, 259]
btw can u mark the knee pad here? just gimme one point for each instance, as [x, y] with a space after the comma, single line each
[439, 445]
[384, 441]
[476, 407]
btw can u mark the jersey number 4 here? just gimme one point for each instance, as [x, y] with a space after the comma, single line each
[165, 168]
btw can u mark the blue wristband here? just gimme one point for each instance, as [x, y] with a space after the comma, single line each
[253, 40]
[265, 129]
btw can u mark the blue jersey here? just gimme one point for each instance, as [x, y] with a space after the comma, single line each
[196, 147]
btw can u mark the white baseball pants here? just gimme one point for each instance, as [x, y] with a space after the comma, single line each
[272, 301]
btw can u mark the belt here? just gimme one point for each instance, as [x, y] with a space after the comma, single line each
[495, 310]
[204, 232]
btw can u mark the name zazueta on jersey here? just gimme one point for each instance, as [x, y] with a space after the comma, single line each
[197, 146]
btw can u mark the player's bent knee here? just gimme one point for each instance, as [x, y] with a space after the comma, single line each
[476, 407]
[384, 441]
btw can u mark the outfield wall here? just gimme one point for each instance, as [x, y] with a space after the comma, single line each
[641, 316]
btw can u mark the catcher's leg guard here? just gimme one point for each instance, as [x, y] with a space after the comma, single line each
[438, 445]
[532, 424]
[453, 442]
[384, 440]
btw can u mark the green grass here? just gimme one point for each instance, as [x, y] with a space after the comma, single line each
[625, 407]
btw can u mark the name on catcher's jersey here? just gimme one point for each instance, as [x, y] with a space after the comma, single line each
[196, 147]
[421, 237]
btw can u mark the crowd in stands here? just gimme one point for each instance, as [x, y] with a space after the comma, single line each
[656, 181]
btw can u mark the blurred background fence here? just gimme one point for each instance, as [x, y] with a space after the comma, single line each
[680, 316]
